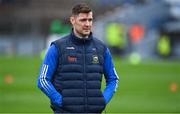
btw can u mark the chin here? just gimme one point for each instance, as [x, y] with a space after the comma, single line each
[86, 33]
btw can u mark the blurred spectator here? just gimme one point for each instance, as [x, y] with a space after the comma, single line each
[57, 30]
[136, 33]
[115, 34]
[164, 48]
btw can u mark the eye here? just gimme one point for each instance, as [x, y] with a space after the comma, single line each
[83, 20]
[90, 20]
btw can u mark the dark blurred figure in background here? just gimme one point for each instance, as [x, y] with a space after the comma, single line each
[57, 30]
[71, 74]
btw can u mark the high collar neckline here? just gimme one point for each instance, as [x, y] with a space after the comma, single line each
[80, 40]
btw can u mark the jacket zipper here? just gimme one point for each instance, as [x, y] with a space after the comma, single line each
[85, 80]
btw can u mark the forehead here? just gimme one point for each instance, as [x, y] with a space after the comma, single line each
[85, 15]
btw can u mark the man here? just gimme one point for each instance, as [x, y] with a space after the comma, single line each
[72, 71]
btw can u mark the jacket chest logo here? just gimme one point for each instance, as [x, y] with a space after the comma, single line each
[95, 59]
[70, 48]
[72, 59]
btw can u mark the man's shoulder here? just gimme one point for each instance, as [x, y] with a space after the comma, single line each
[100, 45]
[99, 42]
[62, 39]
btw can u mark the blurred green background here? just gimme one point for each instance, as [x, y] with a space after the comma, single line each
[148, 87]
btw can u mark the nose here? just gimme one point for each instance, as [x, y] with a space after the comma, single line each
[87, 23]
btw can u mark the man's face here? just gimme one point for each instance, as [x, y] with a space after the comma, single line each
[82, 24]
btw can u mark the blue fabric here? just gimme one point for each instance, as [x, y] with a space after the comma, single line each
[45, 77]
[110, 76]
[49, 67]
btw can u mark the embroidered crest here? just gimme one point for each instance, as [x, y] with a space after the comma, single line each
[95, 59]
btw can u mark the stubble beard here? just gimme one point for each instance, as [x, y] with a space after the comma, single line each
[82, 34]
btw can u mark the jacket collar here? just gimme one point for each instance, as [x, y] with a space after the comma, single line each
[76, 39]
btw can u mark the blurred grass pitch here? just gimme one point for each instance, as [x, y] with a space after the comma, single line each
[144, 88]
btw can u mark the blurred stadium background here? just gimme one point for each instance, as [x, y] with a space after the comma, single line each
[143, 35]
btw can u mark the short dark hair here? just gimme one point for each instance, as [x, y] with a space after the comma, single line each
[81, 8]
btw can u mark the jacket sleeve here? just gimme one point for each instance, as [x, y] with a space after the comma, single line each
[48, 68]
[111, 77]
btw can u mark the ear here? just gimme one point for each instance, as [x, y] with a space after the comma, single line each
[72, 20]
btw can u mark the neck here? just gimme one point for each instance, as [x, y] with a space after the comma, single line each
[78, 35]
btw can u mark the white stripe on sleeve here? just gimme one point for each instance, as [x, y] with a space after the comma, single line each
[42, 80]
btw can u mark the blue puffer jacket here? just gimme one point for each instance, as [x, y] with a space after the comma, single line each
[71, 75]
[79, 74]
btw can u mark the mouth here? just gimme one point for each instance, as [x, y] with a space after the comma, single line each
[86, 29]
